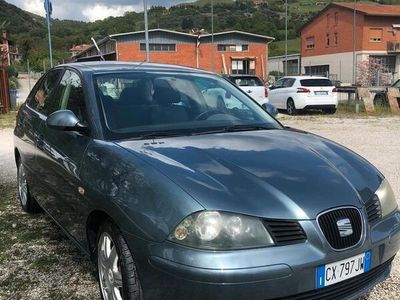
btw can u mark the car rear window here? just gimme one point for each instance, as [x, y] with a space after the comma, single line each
[316, 82]
[248, 81]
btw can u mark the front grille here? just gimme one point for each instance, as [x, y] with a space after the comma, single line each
[374, 211]
[328, 224]
[285, 232]
[345, 288]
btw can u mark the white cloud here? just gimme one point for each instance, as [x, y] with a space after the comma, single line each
[34, 6]
[89, 10]
[101, 11]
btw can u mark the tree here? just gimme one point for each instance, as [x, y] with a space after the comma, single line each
[187, 23]
[371, 72]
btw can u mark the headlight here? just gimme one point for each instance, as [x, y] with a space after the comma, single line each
[221, 231]
[386, 198]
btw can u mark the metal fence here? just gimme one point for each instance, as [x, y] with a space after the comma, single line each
[4, 92]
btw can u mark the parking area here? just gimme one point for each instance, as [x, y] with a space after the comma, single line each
[37, 261]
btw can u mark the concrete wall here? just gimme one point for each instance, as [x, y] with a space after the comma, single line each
[341, 64]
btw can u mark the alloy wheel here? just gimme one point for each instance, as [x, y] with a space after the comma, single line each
[290, 107]
[22, 185]
[110, 276]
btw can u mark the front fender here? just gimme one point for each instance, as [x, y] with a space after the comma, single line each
[139, 199]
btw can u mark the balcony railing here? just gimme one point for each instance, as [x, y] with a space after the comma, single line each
[393, 47]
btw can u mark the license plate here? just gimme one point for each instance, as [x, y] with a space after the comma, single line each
[341, 270]
[321, 93]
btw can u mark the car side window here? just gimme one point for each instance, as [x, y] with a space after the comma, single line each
[71, 95]
[278, 84]
[288, 82]
[43, 98]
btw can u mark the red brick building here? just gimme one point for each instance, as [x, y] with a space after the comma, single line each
[327, 39]
[233, 52]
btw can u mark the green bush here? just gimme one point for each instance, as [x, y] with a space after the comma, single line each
[13, 82]
[12, 72]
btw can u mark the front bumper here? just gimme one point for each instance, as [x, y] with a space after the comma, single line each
[287, 272]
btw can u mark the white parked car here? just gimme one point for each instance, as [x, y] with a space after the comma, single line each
[253, 86]
[295, 93]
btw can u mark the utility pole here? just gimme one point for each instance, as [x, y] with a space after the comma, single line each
[354, 42]
[212, 37]
[146, 31]
[286, 36]
[49, 9]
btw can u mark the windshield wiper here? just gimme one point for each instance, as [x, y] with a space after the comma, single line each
[161, 134]
[233, 128]
[247, 127]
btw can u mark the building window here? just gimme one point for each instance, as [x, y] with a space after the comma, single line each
[245, 66]
[387, 61]
[327, 40]
[310, 42]
[375, 35]
[327, 20]
[158, 47]
[336, 18]
[335, 39]
[232, 48]
[322, 70]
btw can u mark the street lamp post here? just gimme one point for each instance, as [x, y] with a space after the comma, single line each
[146, 30]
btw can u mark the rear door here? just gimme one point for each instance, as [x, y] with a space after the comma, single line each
[274, 94]
[59, 158]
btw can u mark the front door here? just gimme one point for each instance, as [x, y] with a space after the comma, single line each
[59, 157]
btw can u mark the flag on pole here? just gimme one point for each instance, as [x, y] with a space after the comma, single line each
[48, 7]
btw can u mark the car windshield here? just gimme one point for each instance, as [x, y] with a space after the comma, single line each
[143, 104]
[316, 82]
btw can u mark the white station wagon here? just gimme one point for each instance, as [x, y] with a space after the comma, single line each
[295, 93]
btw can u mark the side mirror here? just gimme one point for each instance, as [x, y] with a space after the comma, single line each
[65, 120]
[272, 110]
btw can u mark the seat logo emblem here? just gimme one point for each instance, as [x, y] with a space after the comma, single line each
[344, 226]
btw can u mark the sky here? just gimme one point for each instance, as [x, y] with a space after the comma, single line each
[89, 10]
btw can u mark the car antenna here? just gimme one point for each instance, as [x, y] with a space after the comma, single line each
[138, 66]
[98, 49]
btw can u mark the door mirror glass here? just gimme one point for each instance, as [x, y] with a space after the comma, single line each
[65, 120]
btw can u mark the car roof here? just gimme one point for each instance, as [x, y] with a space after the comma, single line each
[115, 66]
[242, 75]
[307, 77]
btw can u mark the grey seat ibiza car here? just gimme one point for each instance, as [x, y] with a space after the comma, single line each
[176, 195]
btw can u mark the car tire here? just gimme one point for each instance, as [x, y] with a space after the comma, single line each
[291, 107]
[116, 269]
[329, 111]
[27, 202]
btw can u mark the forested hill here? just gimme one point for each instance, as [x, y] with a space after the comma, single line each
[29, 33]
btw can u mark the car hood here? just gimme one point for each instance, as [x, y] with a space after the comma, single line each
[284, 174]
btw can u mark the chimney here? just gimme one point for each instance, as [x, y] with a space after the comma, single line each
[4, 35]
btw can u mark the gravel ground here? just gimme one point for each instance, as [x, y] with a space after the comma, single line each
[38, 262]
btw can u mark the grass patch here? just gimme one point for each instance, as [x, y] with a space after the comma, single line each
[44, 263]
[8, 120]
[349, 110]
[278, 48]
